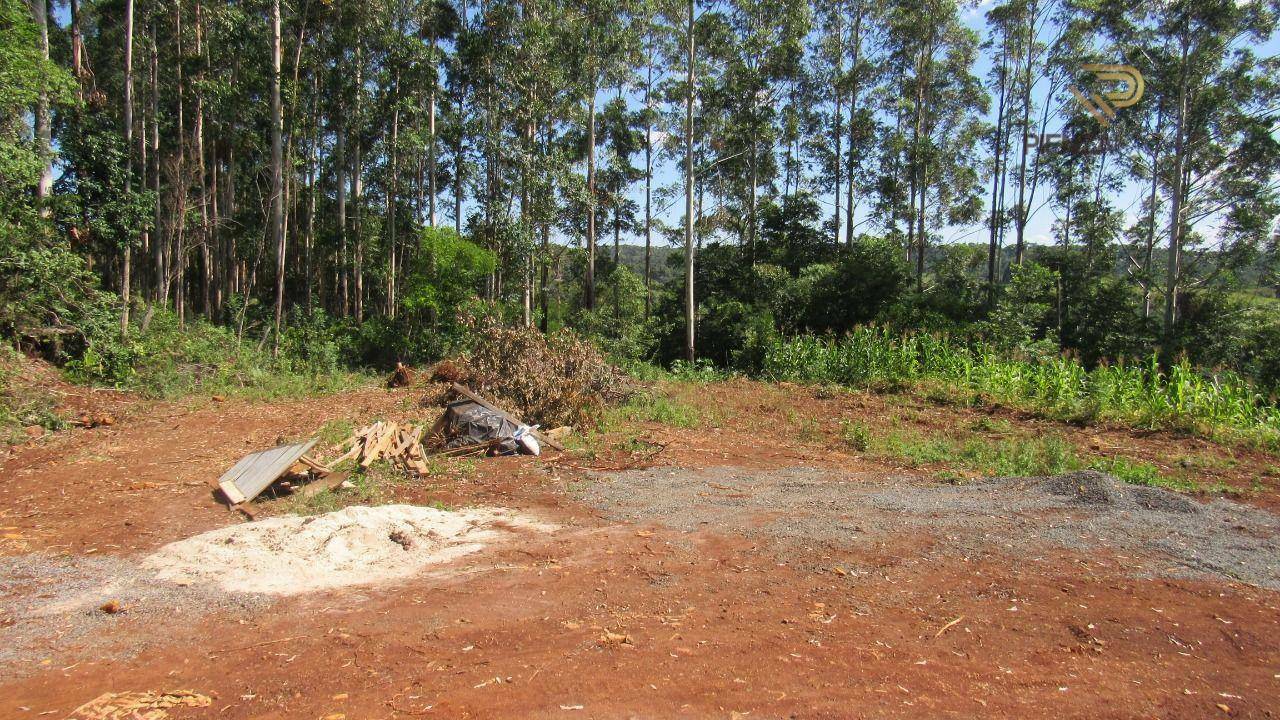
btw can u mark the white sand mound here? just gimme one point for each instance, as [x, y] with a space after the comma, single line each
[356, 545]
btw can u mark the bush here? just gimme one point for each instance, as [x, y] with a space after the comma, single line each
[169, 361]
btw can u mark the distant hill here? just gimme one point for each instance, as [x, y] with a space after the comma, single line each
[632, 256]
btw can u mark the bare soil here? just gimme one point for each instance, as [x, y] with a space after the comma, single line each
[860, 591]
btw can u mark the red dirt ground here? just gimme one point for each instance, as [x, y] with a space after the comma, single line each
[715, 624]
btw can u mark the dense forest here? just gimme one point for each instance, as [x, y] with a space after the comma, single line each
[694, 181]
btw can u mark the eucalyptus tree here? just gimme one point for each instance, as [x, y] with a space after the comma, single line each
[1003, 33]
[1219, 100]
[1031, 17]
[934, 55]
[690, 88]
[862, 81]
[609, 46]
[767, 47]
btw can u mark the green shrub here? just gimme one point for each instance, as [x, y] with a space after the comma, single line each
[167, 360]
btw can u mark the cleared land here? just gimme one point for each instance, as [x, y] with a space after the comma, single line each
[731, 549]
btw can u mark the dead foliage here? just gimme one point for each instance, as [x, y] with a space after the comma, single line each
[447, 371]
[550, 380]
[403, 376]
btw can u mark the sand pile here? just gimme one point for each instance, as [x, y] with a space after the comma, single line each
[356, 545]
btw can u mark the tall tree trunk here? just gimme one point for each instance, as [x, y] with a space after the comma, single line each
[126, 261]
[690, 311]
[43, 123]
[277, 168]
[392, 200]
[1173, 276]
[206, 271]
[997, 157]
[180, 190]
[160, 243]
[648, 178]
[1023, 211]
[548, 191]
[77, 49]
[340, 168]
[836, 132]
[313, 159]
[589, 287]
[1153, 199]
[855, 50]
[357, 197]
[431, 142]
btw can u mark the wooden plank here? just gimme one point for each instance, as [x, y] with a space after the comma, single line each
[262, 470]
[329, 482]
[550, 442]
[380, 445]
[353, 452]
[315, 465]
[437, 426]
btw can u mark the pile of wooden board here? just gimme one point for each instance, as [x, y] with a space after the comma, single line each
[399, 444]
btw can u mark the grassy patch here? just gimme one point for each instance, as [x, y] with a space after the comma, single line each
[369, 486]
[810, 430]
[1137, 472]
[855, 435]
[170, 360]
[335, 431]
[652, 407]
[971, 453]
[23, 401]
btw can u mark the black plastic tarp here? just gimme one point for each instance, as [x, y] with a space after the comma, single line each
[467, 423]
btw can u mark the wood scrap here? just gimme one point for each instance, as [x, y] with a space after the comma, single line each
[395, 443]
[328, 482]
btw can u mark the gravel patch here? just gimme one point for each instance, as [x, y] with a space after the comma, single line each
[1085, 511]
[84, 607]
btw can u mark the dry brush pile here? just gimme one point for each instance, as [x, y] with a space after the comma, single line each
[550, 380]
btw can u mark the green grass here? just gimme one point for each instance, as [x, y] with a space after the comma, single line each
[975, 454]
[701, 372]
[653, 407]
[335, 431]
[1218, 405]
[856, 435]
[1142, 473]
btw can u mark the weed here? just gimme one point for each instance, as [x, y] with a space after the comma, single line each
[652, 407]
[700, 371]
[856, 435]
[810, 430]
[335, 431]
[1009, 457]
